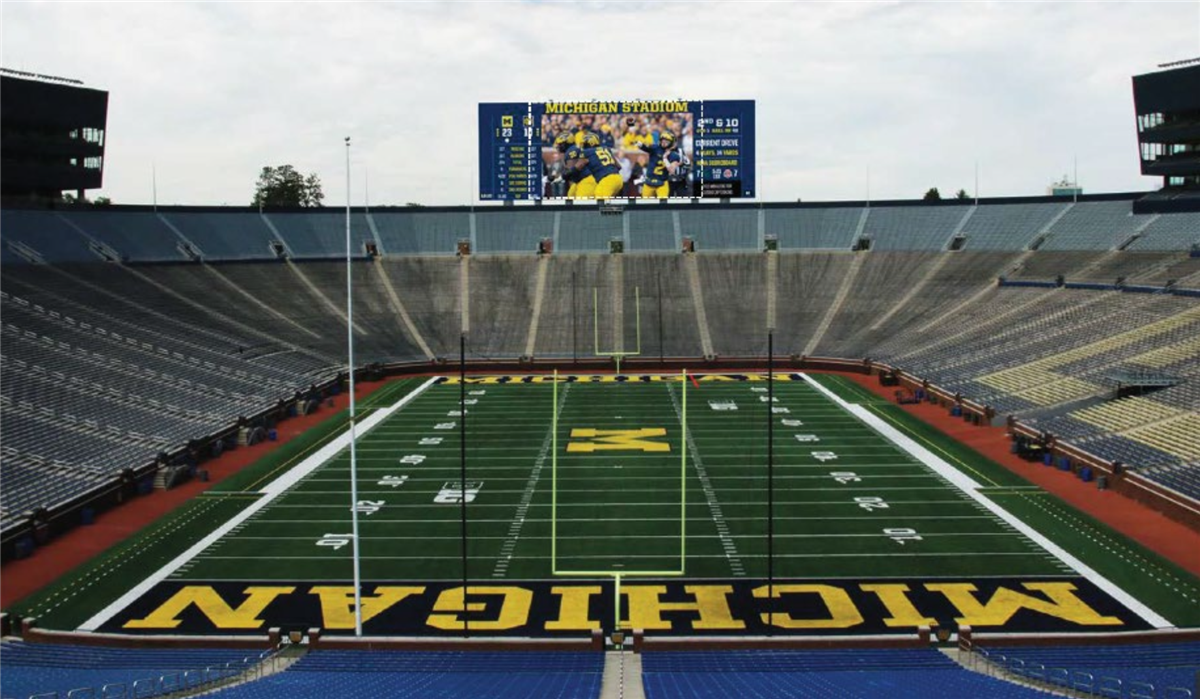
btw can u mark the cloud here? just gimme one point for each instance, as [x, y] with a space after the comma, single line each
[208, 93]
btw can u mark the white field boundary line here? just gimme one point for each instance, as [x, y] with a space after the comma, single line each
[972, 490]
[269, 493]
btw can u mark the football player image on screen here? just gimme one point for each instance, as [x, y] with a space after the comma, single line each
[665, 162]
[603, 169]
[578, 174]
[564, 144]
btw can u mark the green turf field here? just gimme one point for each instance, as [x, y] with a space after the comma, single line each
[850, 504]
[620, 509]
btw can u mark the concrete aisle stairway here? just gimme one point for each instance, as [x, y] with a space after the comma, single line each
[831, 313]
[622, 676]
[693, 274]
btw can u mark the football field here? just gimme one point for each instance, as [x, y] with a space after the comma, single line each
[571, 484]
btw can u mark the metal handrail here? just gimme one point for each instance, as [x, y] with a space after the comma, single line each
[1110, 691]
[1088, 677]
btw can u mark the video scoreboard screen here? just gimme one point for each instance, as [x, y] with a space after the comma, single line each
[616, 149]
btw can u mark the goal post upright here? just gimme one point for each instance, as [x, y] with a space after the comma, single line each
[554, 477]
[683, 472]
[615, 354]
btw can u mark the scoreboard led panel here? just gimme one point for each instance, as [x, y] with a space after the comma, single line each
[606, 149]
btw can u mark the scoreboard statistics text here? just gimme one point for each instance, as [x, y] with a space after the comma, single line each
[616, 149]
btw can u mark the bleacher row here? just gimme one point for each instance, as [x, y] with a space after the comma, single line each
[104, 365]
[1151, 671]
[168, 234]
[1156, 670]
[32, 669]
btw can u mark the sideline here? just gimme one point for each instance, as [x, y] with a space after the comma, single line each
[972, 489]
[273, 490]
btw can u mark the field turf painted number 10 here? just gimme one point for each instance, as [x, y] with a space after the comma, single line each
[335, 541]
[902, 535]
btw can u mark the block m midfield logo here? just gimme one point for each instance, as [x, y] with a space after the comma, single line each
[617, 440]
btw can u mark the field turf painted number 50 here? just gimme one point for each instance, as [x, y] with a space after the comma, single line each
[902, 535]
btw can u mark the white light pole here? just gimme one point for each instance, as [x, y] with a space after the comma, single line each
[353, 453]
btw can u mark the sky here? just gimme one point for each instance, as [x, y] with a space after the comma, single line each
[854, 99]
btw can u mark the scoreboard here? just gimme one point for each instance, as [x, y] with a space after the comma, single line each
[660, 148]
[509, 152]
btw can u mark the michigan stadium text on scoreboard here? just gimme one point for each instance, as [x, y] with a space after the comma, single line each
[616, 149]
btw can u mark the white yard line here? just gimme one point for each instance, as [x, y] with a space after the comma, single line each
[269, 493]
[972, 490]
[518, 521]
[710, 495]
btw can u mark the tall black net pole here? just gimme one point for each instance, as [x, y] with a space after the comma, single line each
[574, 324]
[462, 475]
[770, 473]
[658, 280]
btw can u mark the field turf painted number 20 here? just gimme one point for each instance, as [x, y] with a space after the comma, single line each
[870, 502]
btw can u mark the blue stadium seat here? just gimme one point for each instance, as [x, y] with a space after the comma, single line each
[39, 668]
[840, 674]
[1116, 671]
[440, 674]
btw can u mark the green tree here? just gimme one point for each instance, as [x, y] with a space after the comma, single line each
[933, 194]
[102, 201]
[962, 194]
[283, 186]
